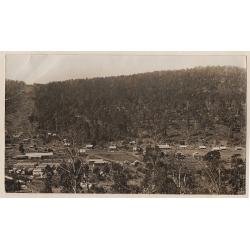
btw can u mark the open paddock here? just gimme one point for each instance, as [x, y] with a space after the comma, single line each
[119, 156]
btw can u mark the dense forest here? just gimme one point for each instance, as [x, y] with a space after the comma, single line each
[19, 102]
[194, 104]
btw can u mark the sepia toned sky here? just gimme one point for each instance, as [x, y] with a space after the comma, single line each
[46, 68]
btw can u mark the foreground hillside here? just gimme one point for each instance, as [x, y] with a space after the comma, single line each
[200, 104]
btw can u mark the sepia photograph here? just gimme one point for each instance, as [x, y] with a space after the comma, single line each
[125, 123]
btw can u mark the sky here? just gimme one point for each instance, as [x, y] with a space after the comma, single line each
[35, 68]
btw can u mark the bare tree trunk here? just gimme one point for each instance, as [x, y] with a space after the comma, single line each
[179, 179]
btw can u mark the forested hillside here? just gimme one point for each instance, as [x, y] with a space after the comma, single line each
[193, 104]
[19, 106]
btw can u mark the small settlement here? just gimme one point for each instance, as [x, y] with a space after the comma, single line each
[27, 157]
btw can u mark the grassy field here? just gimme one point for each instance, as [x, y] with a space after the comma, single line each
[114, 156]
